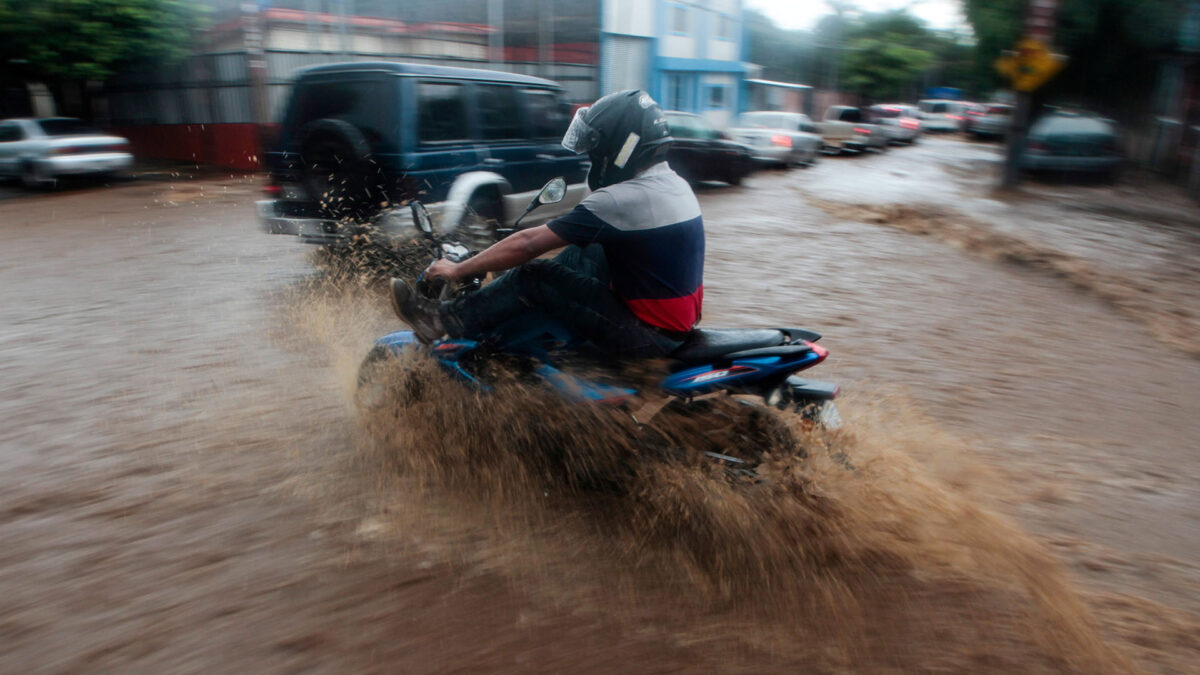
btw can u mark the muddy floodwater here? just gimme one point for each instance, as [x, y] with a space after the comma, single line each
[186, 484]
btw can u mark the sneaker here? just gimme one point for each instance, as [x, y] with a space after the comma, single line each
[419, 312]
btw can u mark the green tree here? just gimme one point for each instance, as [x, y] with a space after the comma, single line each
[886, 55]
[62, 42]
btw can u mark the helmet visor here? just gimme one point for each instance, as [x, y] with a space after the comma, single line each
[580, 137]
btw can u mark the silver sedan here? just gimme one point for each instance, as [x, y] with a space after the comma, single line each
[38, 151]
[782, 138]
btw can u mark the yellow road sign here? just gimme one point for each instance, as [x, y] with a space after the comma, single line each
[1031, 65]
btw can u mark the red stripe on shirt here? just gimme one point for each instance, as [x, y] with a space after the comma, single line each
[677, 314]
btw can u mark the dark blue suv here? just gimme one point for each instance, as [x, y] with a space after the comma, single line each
[473, 145]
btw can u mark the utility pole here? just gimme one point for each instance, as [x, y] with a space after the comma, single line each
[495, 14]
[545, 29]
[256, 71]
[1028, 68]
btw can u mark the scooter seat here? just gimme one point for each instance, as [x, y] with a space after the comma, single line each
[708, 344]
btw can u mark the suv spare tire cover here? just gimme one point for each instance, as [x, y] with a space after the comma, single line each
[336, 168]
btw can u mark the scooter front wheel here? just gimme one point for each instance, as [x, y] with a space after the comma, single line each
[383, 380]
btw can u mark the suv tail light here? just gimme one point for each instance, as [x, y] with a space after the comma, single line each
[862, 130]
[272, 188]
[780, 139]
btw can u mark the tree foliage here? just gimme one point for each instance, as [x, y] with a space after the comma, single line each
[889, 55]
[78, 40]
[886, 54]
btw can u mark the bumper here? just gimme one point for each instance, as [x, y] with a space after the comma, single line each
[901, 134]
[771, 154]
[855, 144]
[939, 126]
[1040, 162]
[74, 165]
[986, 129]
[274, 218]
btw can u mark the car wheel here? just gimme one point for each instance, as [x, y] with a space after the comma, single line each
[32, 177]
[338, 172]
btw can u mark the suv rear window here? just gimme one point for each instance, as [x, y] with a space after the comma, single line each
[548, 112]
[850, 115]
[441, 112]
[369, 105]
[499, 114]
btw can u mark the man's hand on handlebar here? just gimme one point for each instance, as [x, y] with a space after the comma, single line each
[443, 269]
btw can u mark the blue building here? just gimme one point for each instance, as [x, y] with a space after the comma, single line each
[686, 53]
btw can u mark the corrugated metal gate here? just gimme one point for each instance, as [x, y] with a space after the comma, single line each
[625, 63]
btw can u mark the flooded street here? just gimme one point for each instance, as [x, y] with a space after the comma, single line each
[186, 486]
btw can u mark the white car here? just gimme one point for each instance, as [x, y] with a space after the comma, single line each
[38, 151]
[900, 121]
[941, 115]
[783, 138]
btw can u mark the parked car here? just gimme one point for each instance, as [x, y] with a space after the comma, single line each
[989, 120]
[474, 145]
[701, 152]
[940, 115]
[901, 123]
[783, 138]
[970, 112]
[1072, 142]
[847, 128]
[39, 151]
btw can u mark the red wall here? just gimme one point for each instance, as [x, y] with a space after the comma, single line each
[233, 146]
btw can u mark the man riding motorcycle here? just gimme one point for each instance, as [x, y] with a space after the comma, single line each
[631, 276]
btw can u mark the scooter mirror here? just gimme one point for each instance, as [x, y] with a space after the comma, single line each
[553, 192]
[421, 219]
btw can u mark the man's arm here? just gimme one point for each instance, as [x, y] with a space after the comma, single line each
[518, 248]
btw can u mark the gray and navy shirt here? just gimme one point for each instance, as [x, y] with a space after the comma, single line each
[653, 238]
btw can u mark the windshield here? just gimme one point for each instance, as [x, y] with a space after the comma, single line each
[65, 126]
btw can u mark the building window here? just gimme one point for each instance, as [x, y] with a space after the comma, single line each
[716, 96]
[677, 92]
[679, 19]
[724, 27]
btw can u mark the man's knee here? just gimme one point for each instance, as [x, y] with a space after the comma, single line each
[532, 277]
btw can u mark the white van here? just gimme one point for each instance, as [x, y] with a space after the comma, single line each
[941, 114]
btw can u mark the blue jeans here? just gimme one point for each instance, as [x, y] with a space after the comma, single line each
[572, 288]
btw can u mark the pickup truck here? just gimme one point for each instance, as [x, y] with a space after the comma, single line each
[846, 128]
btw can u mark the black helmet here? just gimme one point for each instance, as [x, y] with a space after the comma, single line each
[622, 133]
